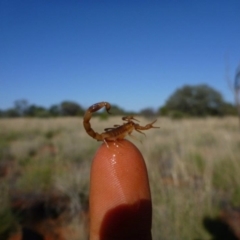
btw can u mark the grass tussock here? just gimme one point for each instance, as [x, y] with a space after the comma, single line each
[193, 167]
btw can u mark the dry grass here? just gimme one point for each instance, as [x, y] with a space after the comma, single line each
[193, 165]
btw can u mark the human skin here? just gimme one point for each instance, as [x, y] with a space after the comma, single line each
[120, 200]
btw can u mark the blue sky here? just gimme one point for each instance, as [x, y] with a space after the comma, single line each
[131, 53]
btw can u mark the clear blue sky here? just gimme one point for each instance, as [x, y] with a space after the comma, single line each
[130, 53]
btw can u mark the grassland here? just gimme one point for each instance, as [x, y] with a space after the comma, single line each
[193, 166]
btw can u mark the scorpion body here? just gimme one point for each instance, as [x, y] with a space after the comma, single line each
[118, 131]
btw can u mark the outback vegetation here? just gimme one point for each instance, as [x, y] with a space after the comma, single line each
[193, 166]
[188, 101]
[192, 160]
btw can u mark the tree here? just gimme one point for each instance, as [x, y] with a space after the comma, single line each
[36, 111]
[230, 109]
[12, 112]
[54, 110]
[21, 106]
[69, 108]
[200, 100]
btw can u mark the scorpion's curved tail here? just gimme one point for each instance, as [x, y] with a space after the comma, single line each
[86, 119]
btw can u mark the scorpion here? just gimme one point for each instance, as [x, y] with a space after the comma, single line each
[117, 132]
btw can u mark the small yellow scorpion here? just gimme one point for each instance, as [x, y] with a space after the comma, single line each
[118, 131]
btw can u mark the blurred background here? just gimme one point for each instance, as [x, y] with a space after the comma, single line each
[177, 61]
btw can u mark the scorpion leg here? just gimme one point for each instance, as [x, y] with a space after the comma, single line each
[105, 142]
[135, 138]
[114, 126]
[140, 132]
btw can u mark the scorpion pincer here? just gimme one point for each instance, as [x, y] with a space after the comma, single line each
[118, 132]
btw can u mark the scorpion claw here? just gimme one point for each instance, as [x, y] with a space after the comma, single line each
[134, 119]
[129, 118]
[151, 124]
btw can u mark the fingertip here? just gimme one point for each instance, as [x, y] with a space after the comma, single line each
[120, 199]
